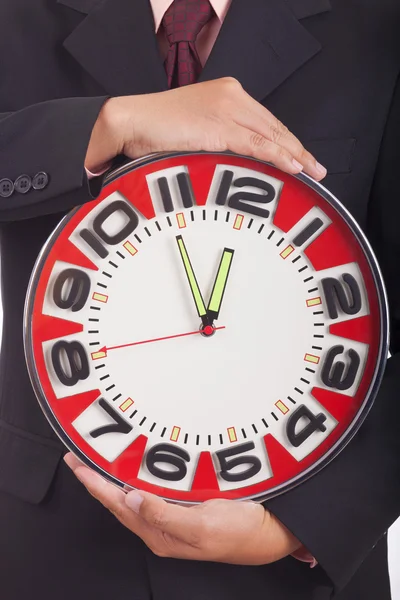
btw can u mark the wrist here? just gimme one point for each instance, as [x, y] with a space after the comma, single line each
[106, 140]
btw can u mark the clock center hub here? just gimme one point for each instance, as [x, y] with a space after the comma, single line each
[208, 330]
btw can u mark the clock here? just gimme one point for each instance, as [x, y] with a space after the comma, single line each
[209, 327]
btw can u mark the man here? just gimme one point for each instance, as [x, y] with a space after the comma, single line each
[328, 70]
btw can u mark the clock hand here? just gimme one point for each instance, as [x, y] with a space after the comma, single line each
[217, 294]
[194, 286]
[206, 331]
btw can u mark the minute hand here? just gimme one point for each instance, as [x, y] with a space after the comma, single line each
[194, 286]
[217, 294]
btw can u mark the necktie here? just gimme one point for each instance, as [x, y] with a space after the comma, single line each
[182, 23]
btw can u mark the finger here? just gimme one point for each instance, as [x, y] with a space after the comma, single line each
[109, 495]
[249, 143]
[260, 120]
[113, 499]
[181, 522]
[72, 461]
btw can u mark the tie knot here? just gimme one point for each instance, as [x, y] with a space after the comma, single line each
[184, 19]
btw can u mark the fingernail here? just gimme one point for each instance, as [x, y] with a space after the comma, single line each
[298, 165]
[134, 501]
[321, 169]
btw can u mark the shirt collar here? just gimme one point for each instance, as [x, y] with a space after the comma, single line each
[159, 8]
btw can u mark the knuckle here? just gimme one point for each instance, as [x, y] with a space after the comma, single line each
[232, 82]
[158, 519]
[257, 140]
[278, 131]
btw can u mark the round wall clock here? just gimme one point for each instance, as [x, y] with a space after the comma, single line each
[208, 327]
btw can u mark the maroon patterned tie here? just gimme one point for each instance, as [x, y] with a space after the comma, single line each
[182, 23]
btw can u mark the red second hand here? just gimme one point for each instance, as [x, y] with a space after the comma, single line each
[168, 337]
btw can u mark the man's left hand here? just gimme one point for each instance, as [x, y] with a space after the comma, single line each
[225, 531]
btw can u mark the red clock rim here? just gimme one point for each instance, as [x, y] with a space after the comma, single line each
[287, 479]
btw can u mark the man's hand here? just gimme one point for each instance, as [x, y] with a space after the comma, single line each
[213, 116]
[226, 531]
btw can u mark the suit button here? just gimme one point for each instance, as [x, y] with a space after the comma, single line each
[6, 187]
[40, 181]
[23, 184]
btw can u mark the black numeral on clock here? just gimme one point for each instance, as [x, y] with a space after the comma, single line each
[227, 462]
[335, 295]
[118, 206]
[167, 454]
[333, 373]
[119, 425]
[308, 231]
[302, 423]
[70, 362]
[71, 289]
[239, 200]
[185, 189]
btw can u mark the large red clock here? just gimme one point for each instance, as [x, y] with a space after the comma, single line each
[208, 327]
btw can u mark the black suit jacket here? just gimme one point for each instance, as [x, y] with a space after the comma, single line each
[328, 69]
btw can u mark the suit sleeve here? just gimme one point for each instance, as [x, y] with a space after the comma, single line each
[50, 137]
[342, 512]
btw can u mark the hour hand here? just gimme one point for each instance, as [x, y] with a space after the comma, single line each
[194, 286]
[217, 294]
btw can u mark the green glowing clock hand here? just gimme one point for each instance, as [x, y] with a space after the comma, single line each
[217, 294]
[207, 315]
[194, 286]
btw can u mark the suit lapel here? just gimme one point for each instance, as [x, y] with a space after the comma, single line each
[117, 45]
[262, 43]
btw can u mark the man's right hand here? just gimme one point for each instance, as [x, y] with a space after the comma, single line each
[213, 116]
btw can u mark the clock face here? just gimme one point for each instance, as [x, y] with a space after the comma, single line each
[208, 327]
